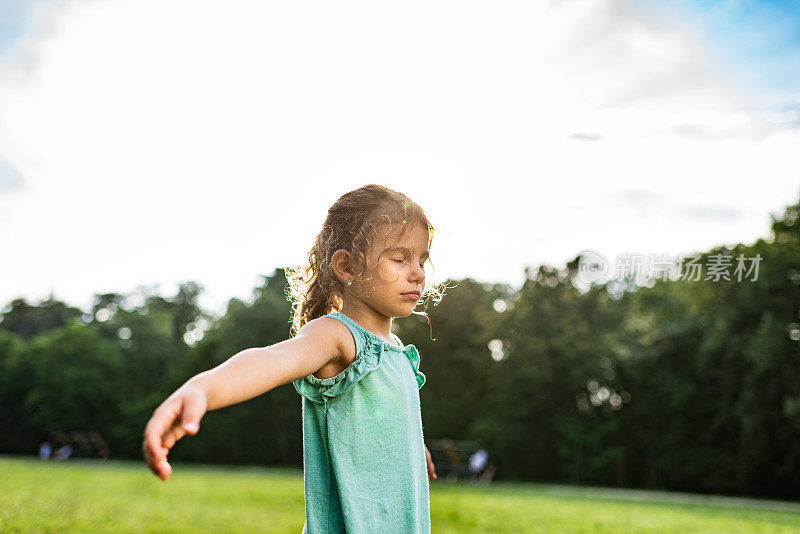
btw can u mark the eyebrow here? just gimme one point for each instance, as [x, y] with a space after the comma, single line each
[406, 250]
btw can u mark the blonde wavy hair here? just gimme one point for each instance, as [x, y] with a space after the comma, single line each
[313, 289]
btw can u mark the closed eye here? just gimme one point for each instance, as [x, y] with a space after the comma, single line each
[422, 265]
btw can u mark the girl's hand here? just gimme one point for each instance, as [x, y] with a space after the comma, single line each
[431, 468]
[177, 416]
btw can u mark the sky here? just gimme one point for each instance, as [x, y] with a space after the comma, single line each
[148, 143]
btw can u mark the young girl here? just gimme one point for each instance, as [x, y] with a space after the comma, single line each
[365, 465]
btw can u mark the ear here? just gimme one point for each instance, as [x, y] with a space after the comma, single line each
[341, 263]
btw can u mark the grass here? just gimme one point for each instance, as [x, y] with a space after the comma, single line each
[123, 496]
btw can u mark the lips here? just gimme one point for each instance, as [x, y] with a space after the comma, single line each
[412, 294]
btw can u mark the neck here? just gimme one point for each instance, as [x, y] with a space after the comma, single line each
[369, 318]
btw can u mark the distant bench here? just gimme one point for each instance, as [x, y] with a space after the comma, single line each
[451, 458]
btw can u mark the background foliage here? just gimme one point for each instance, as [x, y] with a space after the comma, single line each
[682, 385]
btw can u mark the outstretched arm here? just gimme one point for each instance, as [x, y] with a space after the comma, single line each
[245, 375]
[257, 370]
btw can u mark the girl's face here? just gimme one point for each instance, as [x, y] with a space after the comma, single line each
[389, 286]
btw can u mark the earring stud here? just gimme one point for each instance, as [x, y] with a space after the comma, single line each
[349, 282]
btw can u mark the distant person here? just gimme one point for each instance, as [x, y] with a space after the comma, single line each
[455, 465]
[102, 447]
[45, 450]
[366, 467]
[62, 453]
[478, 461]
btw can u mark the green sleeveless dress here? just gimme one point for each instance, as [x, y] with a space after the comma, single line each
[364, 466]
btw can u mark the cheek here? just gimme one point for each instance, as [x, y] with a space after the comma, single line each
[389, 271]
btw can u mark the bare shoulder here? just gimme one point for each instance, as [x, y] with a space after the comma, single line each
[338, 334]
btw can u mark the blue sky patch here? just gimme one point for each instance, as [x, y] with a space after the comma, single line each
[15, 21]
[757, 40]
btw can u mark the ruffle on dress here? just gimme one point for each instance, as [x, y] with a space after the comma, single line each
[368, 358]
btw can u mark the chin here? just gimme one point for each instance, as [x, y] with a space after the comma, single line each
[406, 314]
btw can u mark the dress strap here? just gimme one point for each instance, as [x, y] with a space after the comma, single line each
[365, 334]
[355, 329]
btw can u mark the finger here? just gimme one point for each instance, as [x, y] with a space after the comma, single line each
[165, 470]
[161, 469]
[151, 444]
[190, 417]
[429, 464]
[146, 452]
[175, 433]
[431, 469]
[152, 455]
[159, 425]
[154, 432]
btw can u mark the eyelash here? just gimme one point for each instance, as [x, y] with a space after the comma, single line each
[422, 265]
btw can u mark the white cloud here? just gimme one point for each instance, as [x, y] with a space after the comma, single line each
[174, 140]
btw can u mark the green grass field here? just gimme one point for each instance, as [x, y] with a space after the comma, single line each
[121, 496]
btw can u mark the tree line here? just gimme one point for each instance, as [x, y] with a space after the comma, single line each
[690, 385]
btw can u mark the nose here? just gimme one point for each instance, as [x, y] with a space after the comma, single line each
[418, 273]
